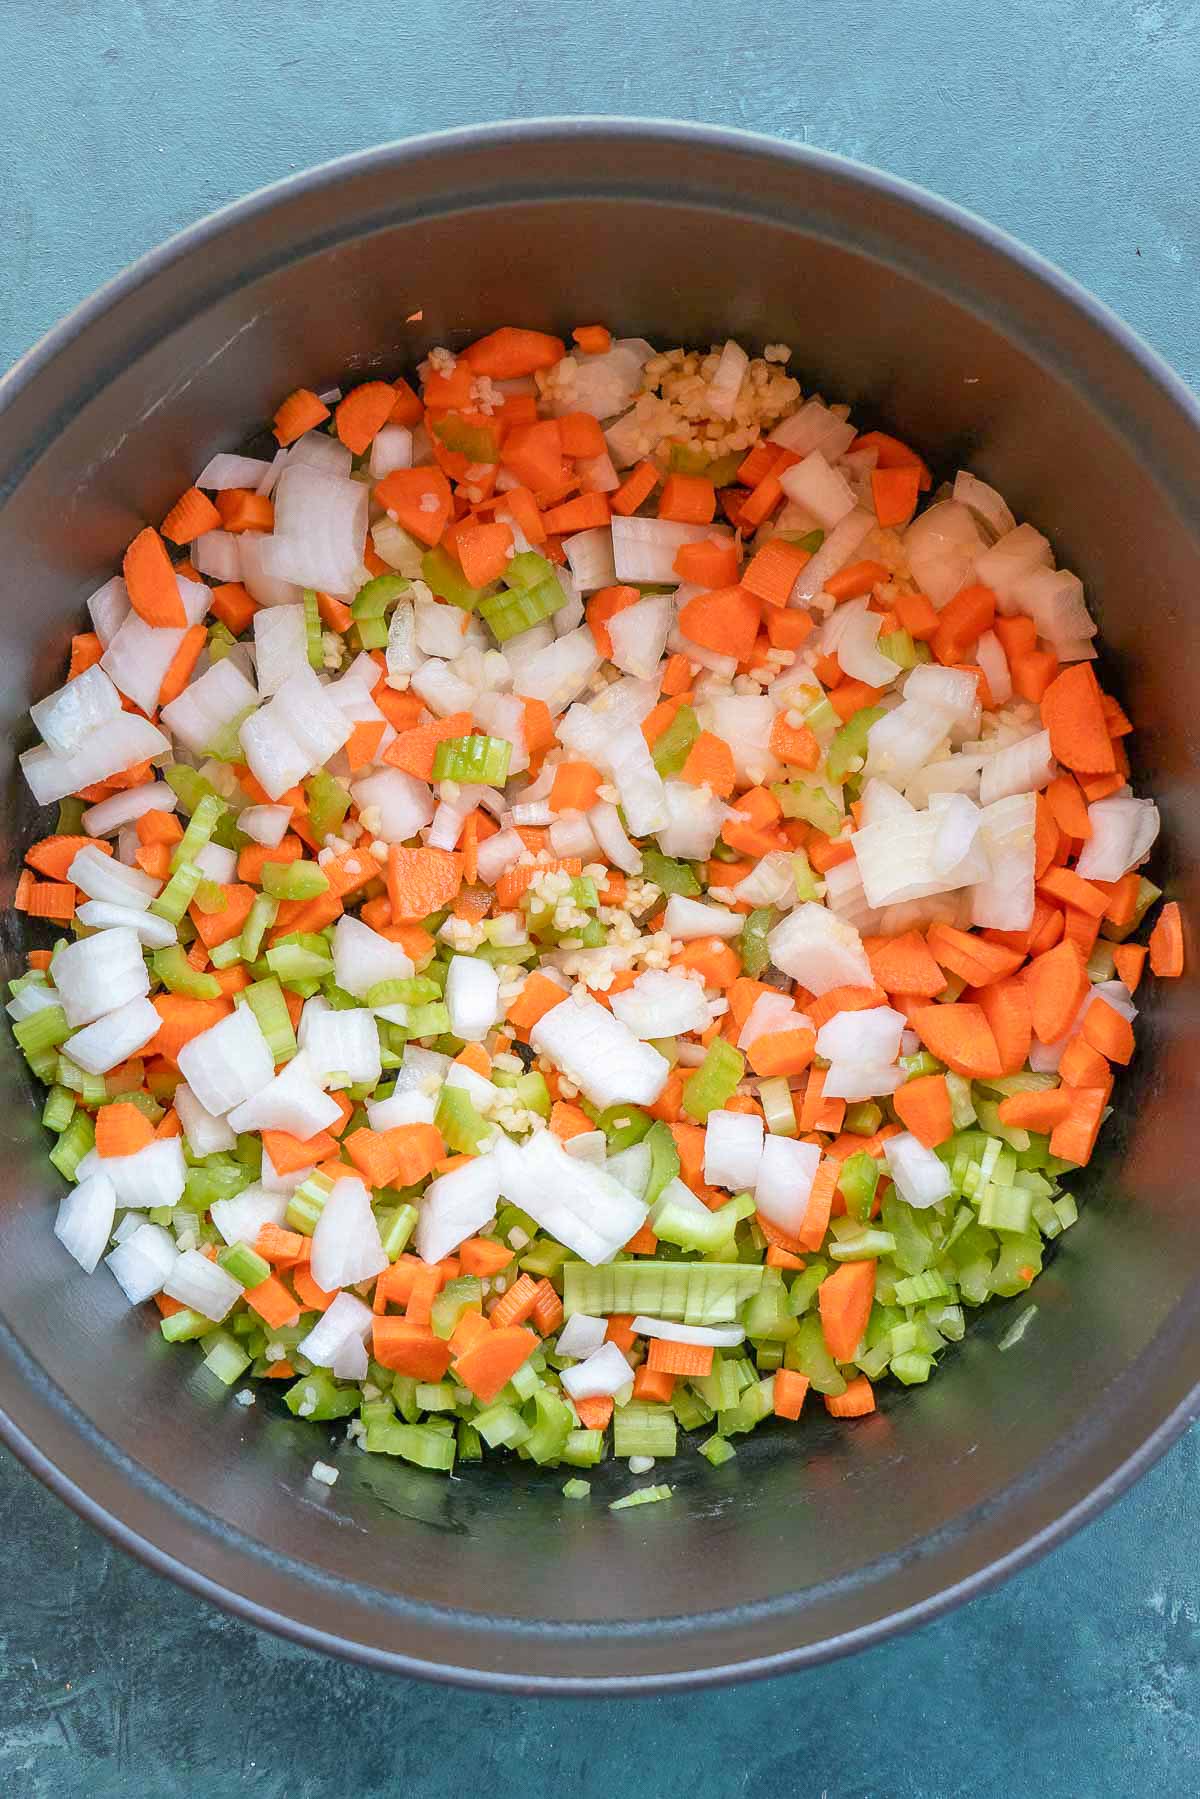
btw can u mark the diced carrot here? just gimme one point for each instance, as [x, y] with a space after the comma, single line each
[44, 899]
[918, 615]
[710, 763]
[856, 579]
[363, 412]
[970, 956]
[214, 928]
[844, 1301]
[192, 514]
[483, 551]
[604, 605]
[923, 1107]
[242, 509]
[273, 1303]
[410, 1349]
[1075, 1137]
[594, 1414]
[510, 352]
[593, 340]
[516, 1304]
[86, 651]
[790, 1392]
[488, 1366]
[1056, 982]
[710, 563]
[536, 998]
[962, 622]
[682, 1360]
[121, 1130]
[233, 606]
[289, 1153]
[1069, 808]
[182, 1019]
[687, 499]
[794, 744]
[279, 1246]
[420, 499]
[534, 454]
[891, 453]
[413, 751]
[714, 959]
[587, 512]
[723, 619]
[651, 1386]
[399, 1157]
[179, 670]
[421, 881]
[782, 1052]
[635, 489]
[1005, 1005]
[1073, 713]
[1129, 960]
[1036, 1111]
[300, 412]
[1166, 942]
[842, 999]
[849, 697]
[1032, 672]
[1108, 1031]
[150, 580]
[960, 1036]
[894, 492]
[1083, 1066]
[618, 1331]
[759, 503]
[481, 1256]
[53, 856]
[904, 965]
[820, 1198]
[858, 1401]
[575, 787]
[547, 1313]
[1070, 889]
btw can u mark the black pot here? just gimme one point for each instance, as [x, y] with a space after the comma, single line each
[817, 1539]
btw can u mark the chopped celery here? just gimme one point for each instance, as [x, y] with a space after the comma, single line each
[319, 1397]
[643, 1429]
[59, 1109]
[919, 1289]
[464, 1130]
[767, 1316]
[440, 572]
[216, 1177]
[912, 1368]
[74, 1143]
[210, 896]
[857, 1181]
[210, 809]
[804, 1288]
[708, 1087]
[265, 999]
[862, 1245]
[509, 613]
[689, 1408]
[809, 801]
[899, 647]
[501, 1426]
[185, 1326]
[779, 1110]
[807, 1353]
[623, 1126]
[805, 540]
[177, 975]
[717, 1451]
[300, 957]
[42, 1030]
[863, 1118]
[417, 1443]
[848, 751]
[576, 1489]
[552, 1423]
[752, 944]
[178, 893]
[436, 1396]
[691, 1292]
[688, 1229]
[527, 569]
[328, 803]
[476, 759]
[1005, 1208]
[641, 1496]
[672, 746]
[189, 784]
[669, 875]
[307, 1203]
[262, 915]
[376, 595]
[294, 880]
[664, 1160]
[244, 1264]
[463, 1294]
[583, 1448]
[478, 443]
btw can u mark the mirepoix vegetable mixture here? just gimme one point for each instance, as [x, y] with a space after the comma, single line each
[589, 899]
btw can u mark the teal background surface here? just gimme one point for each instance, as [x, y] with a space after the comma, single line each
[1072, 124]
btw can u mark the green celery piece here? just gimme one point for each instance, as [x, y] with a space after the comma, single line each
[803, 1289]
[469, 1446]
[416, 1443]
[517, 609]
[463, 1294]
[804, 540]
[808, 800]
[848, 751]
[583, 1448]
[690, 1230]
[185, 1326]
[691, 1292]
[623, 1126]
[41, 1031]
[752, 943]
[368, 634]
[70, 817]
[376, 595]
[473, 759]
[312, 630]
[643, 1429]
[861, 1245]
[436, 1396]
[224, 1356]
[74, 1143]
[806, 1353]
[464, 1130]
[806, 880]
[204, 820]
[225, 745]
[641, 1496]
[551, 1425]
[899, 647]
[688, 1407]
[294, 880]
[245, 1264]
[767, 1315]
[189, 784]
[300, 957]
[265, 999]
[664, 1160]
[59, 1109]
[319, 1397]
[708, 1087]
[671, 748]
[863, 1118]
[527, 569]
[262, 915]
[440, 572]
[178, 893]
[220, 641]
[177, 975]
[478, 443]
[216, 1177]
[501, 1426]
[857, 1181]
[576, 1489]
[717, 1451]
[668, 875]
[328, 803]
[210, 896]
[914, 1246]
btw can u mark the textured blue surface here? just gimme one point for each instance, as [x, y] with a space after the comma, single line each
[1072, 124]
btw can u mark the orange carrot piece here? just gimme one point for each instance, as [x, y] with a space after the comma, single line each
[843, 999]
[680, 1359]
[587, 512]
[536, 998]
[1036, 1111]
[242, 509]
[488, 1366]
[516, 1304]
[362, 413]
[1005, 1005]
[413, 751]
[575, 787]
[923, 1107]
[1129, 960]
[289, 1153]
[150, 579]
[273, 1303]
[1108, 1031]
[233, 606]
[844, 1301]
[960, 1036]
[772, 572]
[794, 744]
[44, 899]
[904, 965]
[410, 1349]
[604, 605]
[547, 1313]
[894, 492]
[782, 1052]
[593, 340]
[1069, 889]
[511, 352]
[53, 856]
[420, 499]
[179, 670]
[1166, 942]
[820, 1199]
[710, 563]
[192, 514]
[856, 579]
[1075, 1138]
[421, 881]
[723, 619]
[86, 651]
[688, 499]
[858, 1401]
[652, 1386]
[891, 453]
[300, 412]
[790, 1390]
[1073, 713]
[214, 928]
[1056, 983]
[122, 1129]
[635, 489]
[482, 1256]
[1083, 1066]
[710, 763]
[483, 551]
